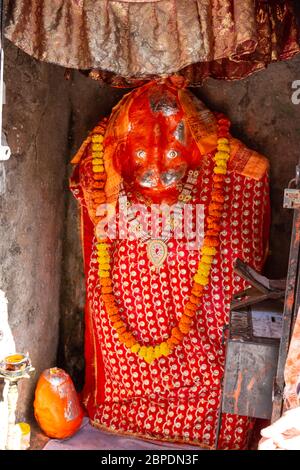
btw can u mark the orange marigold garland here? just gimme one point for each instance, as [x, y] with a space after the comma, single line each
[207, 252]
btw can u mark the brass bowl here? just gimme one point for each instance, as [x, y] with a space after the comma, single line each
[15, 362]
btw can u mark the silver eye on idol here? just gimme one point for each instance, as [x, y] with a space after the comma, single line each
[172, 154]
[141, 154]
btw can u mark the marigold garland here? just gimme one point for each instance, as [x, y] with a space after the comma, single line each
[208, 250]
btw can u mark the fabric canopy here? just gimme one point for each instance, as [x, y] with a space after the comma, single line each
[128, 40]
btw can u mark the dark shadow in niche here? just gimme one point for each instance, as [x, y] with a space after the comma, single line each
[297, 9]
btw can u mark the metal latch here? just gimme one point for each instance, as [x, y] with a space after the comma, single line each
[292, 195]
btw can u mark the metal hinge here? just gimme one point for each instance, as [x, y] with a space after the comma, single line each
[277, 393]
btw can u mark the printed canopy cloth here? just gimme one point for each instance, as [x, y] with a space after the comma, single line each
[125, 41]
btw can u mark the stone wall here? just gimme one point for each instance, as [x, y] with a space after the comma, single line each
[32, 207]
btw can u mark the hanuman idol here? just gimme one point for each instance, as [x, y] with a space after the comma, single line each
[169, 200]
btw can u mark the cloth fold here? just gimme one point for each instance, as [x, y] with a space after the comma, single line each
[124, 41]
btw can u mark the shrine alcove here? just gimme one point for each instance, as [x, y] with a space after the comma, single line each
[46, 119]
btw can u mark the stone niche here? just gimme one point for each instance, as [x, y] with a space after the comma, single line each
[46, 118]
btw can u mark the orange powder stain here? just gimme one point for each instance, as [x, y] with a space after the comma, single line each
[251, 383]
[237, 392]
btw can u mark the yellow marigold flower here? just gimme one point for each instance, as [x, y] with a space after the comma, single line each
[98, 154]
[204, 266]
[98, 169]
[97, 138]
[104, 263]
[203, 269]
[220, 171]
[97, 161]
[207, 259]
[202, 280]
[164, 349]
[135, 348]
[209, 250]
[202, 273]
[103, 251]
[97, 147]
[222, 156]
[105, 259]
[103, 273]
[101, 245]
[223, 140]
[143, 351]
[224, 148]
[221, 163]
[105, 267]
[149, 357]
[222, 166]
[157, 352]
[102, 255]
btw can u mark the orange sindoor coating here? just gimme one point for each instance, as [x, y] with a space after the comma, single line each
[56, 406]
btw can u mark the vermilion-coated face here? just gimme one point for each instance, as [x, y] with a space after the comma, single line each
[159, 149]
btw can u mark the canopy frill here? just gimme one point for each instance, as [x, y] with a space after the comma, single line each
[127, 41]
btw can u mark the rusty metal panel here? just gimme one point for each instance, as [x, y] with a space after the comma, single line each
[251, 359]
[248, 380]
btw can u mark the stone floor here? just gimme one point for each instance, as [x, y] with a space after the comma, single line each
[90, 438]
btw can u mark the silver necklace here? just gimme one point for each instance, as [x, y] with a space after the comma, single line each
[156, 246]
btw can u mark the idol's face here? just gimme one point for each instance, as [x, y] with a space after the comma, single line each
[159, 148]
[157, 166]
